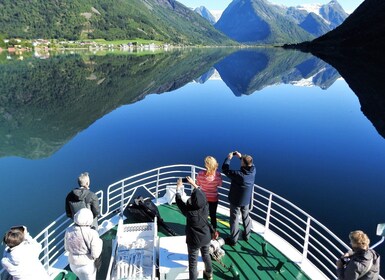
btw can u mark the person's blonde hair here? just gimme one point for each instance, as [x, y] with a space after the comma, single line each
[359, 239]
[211, 165]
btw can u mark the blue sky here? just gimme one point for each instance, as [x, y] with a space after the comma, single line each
[348, 5]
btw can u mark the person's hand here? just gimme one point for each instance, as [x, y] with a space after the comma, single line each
[230, 155]
[191, 182]
[179, 184]
[339, 264]
[238, 154]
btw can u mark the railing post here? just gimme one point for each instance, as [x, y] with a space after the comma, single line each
[306, 241]
[251, 206]
[46, 250]
[193, 172]
[157, 186]
[122, 199]
[268, 213]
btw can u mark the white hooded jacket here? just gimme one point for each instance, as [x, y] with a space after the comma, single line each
[78, 235]
[22, 261]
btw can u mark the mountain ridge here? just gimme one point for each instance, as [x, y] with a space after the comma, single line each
[257, 21]
[162, 20]
[262, 22]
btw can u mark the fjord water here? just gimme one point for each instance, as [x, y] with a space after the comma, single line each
[119, 114]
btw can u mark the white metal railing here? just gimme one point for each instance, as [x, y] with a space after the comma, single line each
[310, 238]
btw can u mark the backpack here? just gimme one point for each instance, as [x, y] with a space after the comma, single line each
[75, 206]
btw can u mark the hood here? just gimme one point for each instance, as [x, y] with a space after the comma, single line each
[79, 194]
[198, 199]
[84, 217]
[248, 170]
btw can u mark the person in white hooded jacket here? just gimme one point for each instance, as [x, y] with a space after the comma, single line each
[83, 244]
[21, 255]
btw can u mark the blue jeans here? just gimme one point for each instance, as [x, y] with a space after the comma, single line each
[234, 221]
[193, 254]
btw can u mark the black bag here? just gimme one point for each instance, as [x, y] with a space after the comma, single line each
[143, 210]
[214, 234]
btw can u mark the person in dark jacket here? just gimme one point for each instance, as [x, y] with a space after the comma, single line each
[361, 262]
[241, 189]
[82, 197]
[197, 228]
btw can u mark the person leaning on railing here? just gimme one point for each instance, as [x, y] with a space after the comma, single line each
[360, 262]
[21, 256]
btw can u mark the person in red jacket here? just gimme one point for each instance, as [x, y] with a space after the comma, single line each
[209, 181]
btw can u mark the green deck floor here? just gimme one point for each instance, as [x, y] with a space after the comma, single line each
[246, 257]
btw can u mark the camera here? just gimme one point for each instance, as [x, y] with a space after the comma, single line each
[184, 180]
[344, 260]
[234, 153]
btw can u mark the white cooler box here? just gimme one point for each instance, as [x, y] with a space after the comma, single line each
[173, 259]
[134, 252]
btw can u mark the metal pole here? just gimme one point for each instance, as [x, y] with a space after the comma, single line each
[268, 213]
[157, 186]
[46, 250]
[306, 244]
[122, 199]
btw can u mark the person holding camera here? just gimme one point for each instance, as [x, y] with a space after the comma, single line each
[241, 189]
[21, 255]
[360, 262]
[197, 228]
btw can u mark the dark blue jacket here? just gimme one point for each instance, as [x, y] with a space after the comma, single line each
[196, 212]
[242, 183]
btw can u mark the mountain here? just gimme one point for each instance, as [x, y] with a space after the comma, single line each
[355, 49]
[333, 13]
[318, 19]
[259, 22]
[205, 13]
[362, 32]
[163, 20]
[314, 25]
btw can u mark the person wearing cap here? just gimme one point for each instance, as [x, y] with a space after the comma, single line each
[360, 262]
[241, 189]
[82, 197]
[83, 245]
[21, 255]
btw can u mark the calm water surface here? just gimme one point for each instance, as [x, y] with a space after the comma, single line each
[311, 144]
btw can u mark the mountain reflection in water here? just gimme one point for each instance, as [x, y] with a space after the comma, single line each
[44, 103]
[311, 145]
